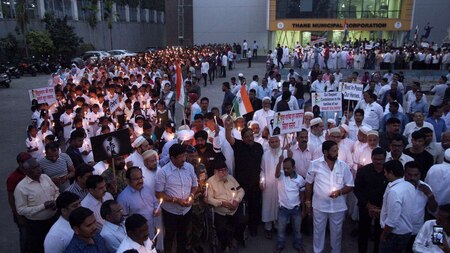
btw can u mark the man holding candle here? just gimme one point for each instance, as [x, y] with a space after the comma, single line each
[225, 194]
[176, 184]
[332, 179]
[137, 235]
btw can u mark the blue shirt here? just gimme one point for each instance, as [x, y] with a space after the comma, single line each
[176, 182]
[401, 116]
[439, 127]
[77, 245]
[420, 106]
[142, 202]
[262, 92]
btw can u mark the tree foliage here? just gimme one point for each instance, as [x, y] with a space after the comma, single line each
[8, 47]
[40, 43]
[63, 36]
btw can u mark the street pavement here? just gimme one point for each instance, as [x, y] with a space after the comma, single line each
[15, 113]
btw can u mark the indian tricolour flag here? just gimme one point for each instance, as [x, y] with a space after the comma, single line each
[241, 103]
[181, 95]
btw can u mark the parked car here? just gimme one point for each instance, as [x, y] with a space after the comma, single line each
[94, 55]
[120, 53]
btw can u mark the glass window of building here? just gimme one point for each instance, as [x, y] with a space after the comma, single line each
[143, 17]
[59, 8]
[8, 9]
[83, 9]
[336, 9]
[133, 14]
[120, 12]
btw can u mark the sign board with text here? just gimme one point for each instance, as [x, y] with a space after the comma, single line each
[352, 91]
[43, 95]
[285, 122]
[327, 101]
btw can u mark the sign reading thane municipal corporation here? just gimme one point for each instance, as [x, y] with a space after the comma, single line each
[338, 26]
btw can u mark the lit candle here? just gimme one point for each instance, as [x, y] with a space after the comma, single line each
[262, 180]
[364, 161]
[232, 196]
[199, 160]
[190, 199]
[239, 129]
[206, 189]
[159, 120]
[159, 205]
[335, 116]
[215, 120]
[156, 235]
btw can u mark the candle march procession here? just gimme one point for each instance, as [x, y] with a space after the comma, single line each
[127, 154]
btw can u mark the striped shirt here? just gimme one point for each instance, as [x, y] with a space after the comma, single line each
[58, 168]
[76, 188]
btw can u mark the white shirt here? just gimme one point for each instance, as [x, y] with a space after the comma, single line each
[326, 181]
[373, 114]
[403, 158]
[302, 160]
[411, 127]
[136, 158]
[293, 103]
[353, 130]
[423, 242]
[261, 116]
[100, 167]
[318, 86]
[419, 208]
[205, 67]
[438, 177]
[58, 237]
[128, 243]
[315, 142]
[289, 190]
[113, 235]
[398, 204]
[90, 202]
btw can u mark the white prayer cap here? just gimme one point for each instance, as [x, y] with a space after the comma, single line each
[237, 117]
[266, 98]
[372, 132]
[240, 75]
[224, 117]
[315, 121]
[345, 127]
[252, 122]
[334, 130]
[331, 121]
[184, 127]
[185, 135]
[447, 155]
[365, 129]
[149, 153]
[138, 142]
[309, 114]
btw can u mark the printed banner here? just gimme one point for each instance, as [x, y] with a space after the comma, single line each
[352, 91]
[111, 145]
[327, 101]
[113, 104]
[43, 95]
[285, 122]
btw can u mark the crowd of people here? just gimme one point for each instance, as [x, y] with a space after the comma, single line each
[364, 54]
[384, 162]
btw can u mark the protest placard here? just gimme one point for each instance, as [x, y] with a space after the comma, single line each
[43, 95]
[327, 101]
[352, 91]
[285, 122]
[114, 103]
[111, 145]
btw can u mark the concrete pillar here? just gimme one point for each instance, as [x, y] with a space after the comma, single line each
[98, 15]
[138, 13]
[162, 17]
[41, 8]
[114, 12]
[155, 16]
[74, 7]
[1, 12]
[127, 13]
[147, 15]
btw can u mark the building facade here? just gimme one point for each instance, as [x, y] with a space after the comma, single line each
[141, 27]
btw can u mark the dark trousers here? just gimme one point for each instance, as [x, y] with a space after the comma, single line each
[176, 225]
[280, 62]
[230, 227]
[223, 73]
[230, 65]
[205, 77]
[409, 246]
[36, 232]
[253, 198]
[395, 243]
[364, 228]
[249, 62]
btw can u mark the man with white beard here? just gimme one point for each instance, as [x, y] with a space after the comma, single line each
[257, 133]
[316, 137]
[359, 146]
[268, 184]
[261, 115]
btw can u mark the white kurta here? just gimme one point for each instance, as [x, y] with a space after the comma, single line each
[267, 178]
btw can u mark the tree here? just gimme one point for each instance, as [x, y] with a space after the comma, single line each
[8, 47]
[63, 36]
[40, 43]
[23, 20]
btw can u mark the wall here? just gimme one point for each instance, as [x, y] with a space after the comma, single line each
[218, 21]
[131, 36]
[435, 12]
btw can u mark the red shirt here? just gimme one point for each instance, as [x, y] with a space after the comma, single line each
[13, 179]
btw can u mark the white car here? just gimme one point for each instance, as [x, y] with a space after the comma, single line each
[97, 55]
[119, 54]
